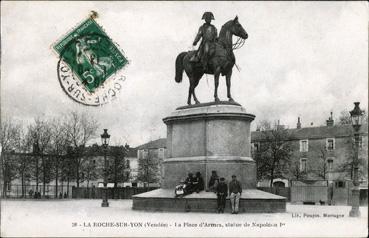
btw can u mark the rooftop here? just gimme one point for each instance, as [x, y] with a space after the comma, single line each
[317, 132]
[155, 144]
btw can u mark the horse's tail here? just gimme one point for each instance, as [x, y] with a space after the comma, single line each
[179, 67]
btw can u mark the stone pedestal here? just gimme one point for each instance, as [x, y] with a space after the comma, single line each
[203, 138]
[213, 137]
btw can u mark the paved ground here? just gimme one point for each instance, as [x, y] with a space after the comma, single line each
[86, 218]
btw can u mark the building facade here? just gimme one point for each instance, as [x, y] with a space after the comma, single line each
[153, 152]
[322, 153]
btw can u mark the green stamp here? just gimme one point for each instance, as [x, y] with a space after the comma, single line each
[90, 55]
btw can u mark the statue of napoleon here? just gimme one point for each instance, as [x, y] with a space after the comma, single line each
[214, 55]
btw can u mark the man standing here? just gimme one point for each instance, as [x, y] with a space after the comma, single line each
[209, 34]
[222, 190]
[235, 191]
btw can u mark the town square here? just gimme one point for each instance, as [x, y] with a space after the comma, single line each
[184, 119]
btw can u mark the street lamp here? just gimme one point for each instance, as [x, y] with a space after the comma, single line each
[105, 142]
[356, 120]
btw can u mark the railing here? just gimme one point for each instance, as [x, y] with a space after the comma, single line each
[33, 192]
[113, 193]
[280, 191]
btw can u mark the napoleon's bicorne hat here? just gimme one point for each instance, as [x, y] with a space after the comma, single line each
[208, 14]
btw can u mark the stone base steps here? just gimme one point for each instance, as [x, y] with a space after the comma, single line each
[252, 201]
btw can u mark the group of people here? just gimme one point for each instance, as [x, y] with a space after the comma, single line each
[190, 185]
[217, 185]
[37, 194]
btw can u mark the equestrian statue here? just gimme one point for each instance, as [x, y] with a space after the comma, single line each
[214, 55]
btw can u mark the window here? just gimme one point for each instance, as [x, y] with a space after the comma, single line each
[303, 164]
[304, 145]
[360, 142]
[161, 153]
[330, 165]
[340, 184]
[255, 146]
[330, 144]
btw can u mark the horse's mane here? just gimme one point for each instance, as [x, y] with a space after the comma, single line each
[225, 27]
[222, 34]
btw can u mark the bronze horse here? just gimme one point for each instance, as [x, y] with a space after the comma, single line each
[221, 61]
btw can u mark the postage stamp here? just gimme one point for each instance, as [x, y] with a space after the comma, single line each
[89, 62]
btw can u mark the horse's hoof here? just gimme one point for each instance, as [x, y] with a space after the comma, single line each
[217, 100]
[230, 100]
[197, 102]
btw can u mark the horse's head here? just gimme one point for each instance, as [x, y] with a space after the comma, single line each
[238, 30]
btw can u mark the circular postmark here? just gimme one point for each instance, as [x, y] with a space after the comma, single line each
[88, 69]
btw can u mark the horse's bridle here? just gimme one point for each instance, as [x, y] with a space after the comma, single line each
[239, 43]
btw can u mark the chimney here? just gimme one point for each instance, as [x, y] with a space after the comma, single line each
[330, 121]
[298, 123]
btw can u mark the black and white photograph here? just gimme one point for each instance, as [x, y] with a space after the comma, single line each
[184, 119]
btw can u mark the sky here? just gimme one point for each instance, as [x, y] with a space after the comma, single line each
[301, 59]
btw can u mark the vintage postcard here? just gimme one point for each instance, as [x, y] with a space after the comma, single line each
[184, 119]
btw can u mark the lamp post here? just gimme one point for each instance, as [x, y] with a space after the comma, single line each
[356, 120]
[105, 142]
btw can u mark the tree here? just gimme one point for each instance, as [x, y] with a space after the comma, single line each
[9, 141]
[89, 167]
[118, 168]
[347, 167]
[67, 170]
[80, 128]
[345, 118]
[296, 172]
[39, 136]
[23, 162]
[148, 167]
[320, 167]
[273, 156]
[58, 148]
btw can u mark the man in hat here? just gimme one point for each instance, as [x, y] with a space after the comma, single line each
[213, 181]
[189, 182]
[235, 190]
[222, 190]
[209, 34]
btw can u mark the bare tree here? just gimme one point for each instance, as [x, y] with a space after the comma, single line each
[296, 172]
[39, 136]
[321, 166]
[80, 128]
[148, 167]
[274, 154]
[347, 167]
[9, 141]
[23, 160]
[58, 147]
[345, 118]
[118, 168]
